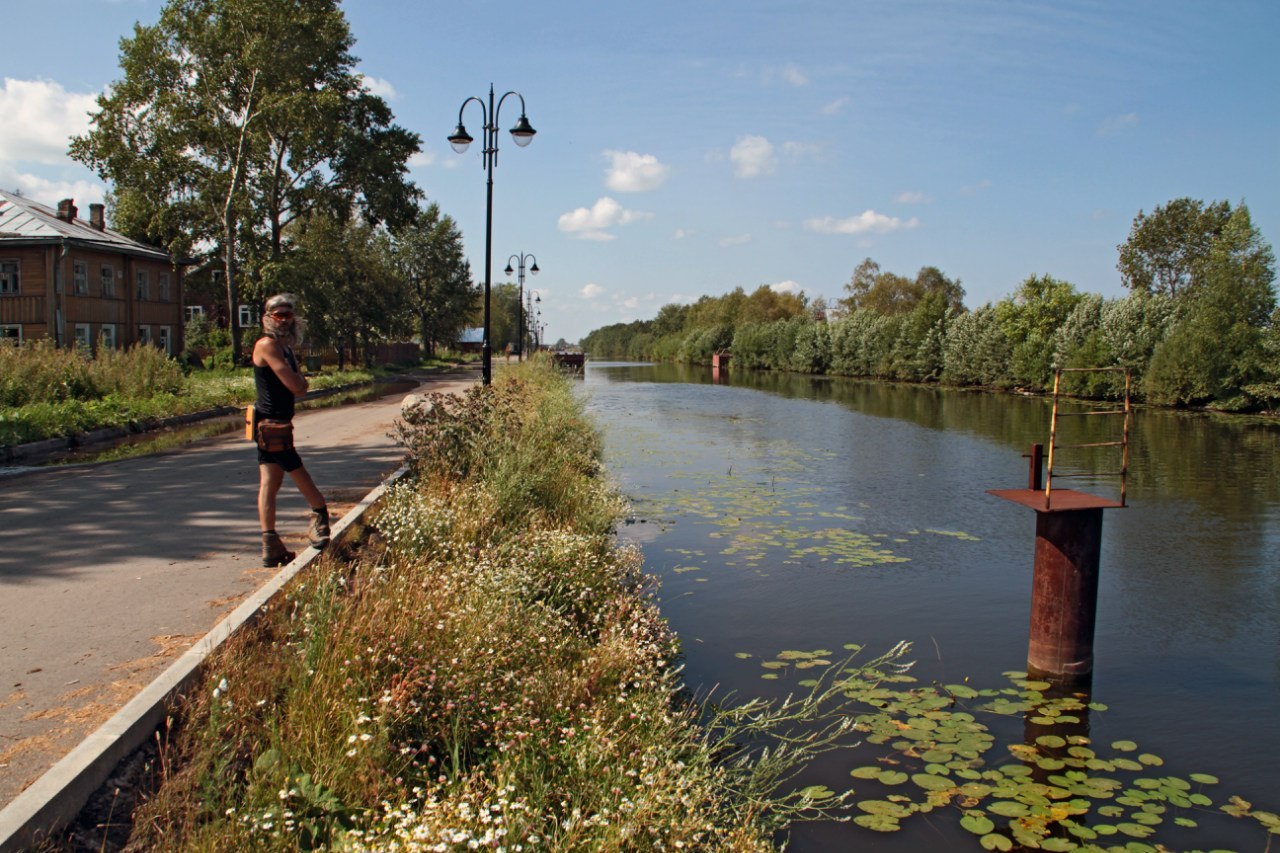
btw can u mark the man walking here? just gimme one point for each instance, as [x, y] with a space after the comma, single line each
[278, 383]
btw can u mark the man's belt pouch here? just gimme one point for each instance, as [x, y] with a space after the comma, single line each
[275, 436]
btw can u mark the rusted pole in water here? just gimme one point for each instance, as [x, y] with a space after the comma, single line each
[1064, 594]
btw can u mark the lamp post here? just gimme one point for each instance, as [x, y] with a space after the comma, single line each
[520, 259]
[522, 133]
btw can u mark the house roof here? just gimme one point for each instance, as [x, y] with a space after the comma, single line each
[27, 222]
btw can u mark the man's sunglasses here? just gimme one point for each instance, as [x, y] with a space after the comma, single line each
[282, 315]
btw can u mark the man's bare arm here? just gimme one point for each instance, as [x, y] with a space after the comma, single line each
[272, 354]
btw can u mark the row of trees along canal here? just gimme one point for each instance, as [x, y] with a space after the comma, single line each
[1200, 325]
[242, 137]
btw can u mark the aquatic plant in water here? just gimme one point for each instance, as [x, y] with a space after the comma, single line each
[1055, 790]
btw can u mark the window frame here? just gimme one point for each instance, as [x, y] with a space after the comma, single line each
[246, 316]
[142, 280]
[164, 285]
[107, 280]
[80, 278]
[144, 333]
[107, 336]
[164, 339]
[10, 280]
[5, 337]
[86, 342]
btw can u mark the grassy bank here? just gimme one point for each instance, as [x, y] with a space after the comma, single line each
[486, 668]
[47, 392]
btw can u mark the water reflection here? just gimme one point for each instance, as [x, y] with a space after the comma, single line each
[734, 481]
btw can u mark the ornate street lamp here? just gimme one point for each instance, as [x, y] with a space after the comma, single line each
[522, 133]
[520, 259]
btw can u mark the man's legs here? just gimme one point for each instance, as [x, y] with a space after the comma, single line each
[270, 476]
[318, 532]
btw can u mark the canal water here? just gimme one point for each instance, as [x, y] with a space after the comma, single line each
[792, 519]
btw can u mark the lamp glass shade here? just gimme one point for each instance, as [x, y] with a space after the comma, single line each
[508, 269]
[534, 269]
[460, 139]
[523, 132]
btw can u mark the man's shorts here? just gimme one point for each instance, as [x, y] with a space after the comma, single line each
[289, 459]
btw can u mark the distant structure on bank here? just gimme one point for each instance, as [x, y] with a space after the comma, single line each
[82, 284]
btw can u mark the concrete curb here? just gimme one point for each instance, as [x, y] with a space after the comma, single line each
[56, 798]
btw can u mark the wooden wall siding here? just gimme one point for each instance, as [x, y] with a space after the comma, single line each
[167, 313]
[95, 309]
[23, 309]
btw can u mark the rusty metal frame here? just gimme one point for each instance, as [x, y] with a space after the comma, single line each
[1123, 443]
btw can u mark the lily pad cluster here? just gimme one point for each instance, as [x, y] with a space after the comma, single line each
[1057, 790]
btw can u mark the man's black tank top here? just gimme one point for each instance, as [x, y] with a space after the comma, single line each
[275, 402]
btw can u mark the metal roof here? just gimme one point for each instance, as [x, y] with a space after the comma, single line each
[25, 221]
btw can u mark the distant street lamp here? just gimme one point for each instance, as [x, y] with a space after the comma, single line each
[520, 259]
[522, 133]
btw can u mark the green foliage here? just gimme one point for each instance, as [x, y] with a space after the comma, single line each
[1164, 249]
[233, 118]
[428, 253]
[480, 673]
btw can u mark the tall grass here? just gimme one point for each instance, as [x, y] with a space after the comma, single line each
[46, 392]
[487, 670]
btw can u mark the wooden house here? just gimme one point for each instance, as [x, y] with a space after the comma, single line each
[80, 283]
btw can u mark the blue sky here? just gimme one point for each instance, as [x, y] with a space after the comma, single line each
[686, 148]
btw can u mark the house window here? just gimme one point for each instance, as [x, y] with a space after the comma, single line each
[246, 316]
[84, 341]
[107, 277]
[8, 278]
[164, 339]
[10, 335]
[80, 278]
[144, 334]
[164, 287]
[193, 311]
[144, 286]
[107, 338]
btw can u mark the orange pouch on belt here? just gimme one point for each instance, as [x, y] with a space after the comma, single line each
[275, 436]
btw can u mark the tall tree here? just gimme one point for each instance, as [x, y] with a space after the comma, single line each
[429, 254]
[235, 117]
[1164, 249]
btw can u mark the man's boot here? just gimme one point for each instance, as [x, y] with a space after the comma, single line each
[273, 551]
[318, 532]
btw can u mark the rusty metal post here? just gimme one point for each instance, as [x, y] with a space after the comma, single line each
[1036, 469]
[1064, 594]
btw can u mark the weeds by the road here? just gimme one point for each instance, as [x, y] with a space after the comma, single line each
[47, 392]
[487, 669]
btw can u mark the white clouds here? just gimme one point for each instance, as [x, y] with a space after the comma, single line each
[787, 286]
[422, 158]
[830, 108]
[590, 223]
[630, 172]
[49, 191]
[382, 88]
[911, 197]
[867, 222]
[39, 118]
[1117, 124]
[682, 234]
[753, 156]
[736, 240]
[631, 303]
[793, 75]
[591, 290]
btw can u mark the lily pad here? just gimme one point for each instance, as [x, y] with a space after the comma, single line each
[878, 822]
[977, 823]
[995, 842]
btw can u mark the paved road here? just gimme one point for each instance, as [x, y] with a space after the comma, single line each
[109, 571]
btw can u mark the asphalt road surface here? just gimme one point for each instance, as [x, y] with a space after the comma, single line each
[110, 571]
